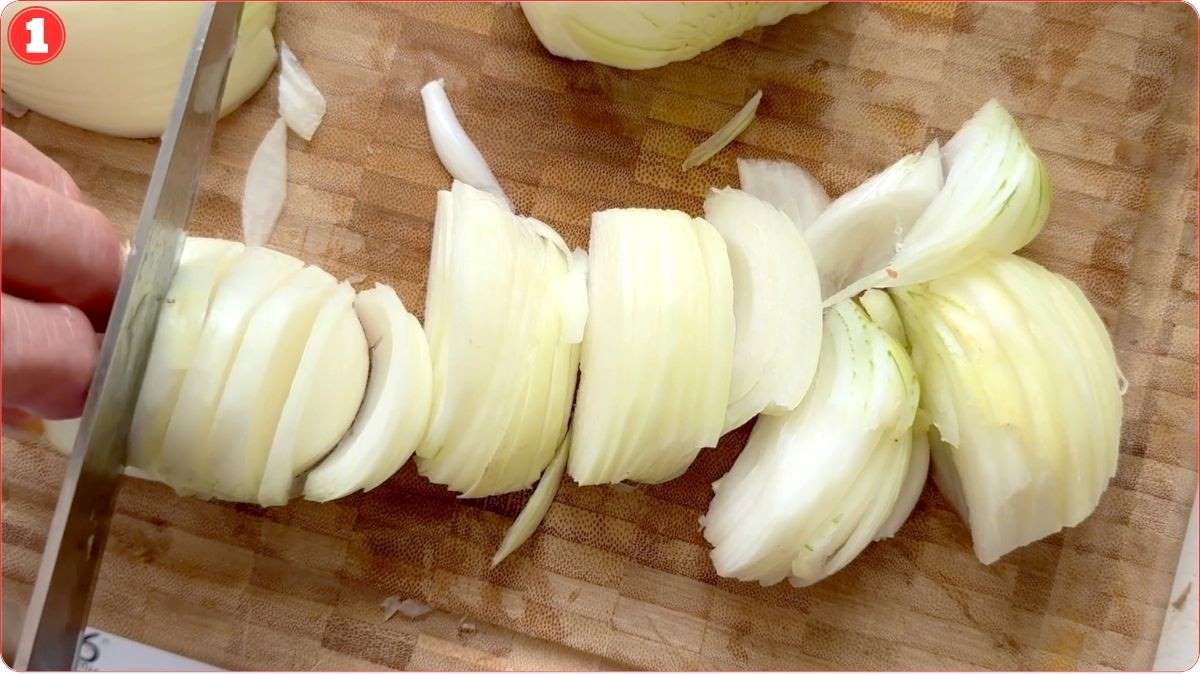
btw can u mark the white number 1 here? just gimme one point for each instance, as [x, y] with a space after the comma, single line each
[37, 36]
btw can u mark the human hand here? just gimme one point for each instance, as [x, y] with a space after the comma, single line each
[59, 273]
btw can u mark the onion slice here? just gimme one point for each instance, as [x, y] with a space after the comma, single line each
[776, 305]
[301, 104]
[257, 272]
[536, 508]
[725, 135]
[813, 487]
[1021, 384]
[858, 234]
[395, 408]
[914, 479]
[785, 186]
[324, 397]
[202, 265]
[260, 377]
[657, 350]
[266, 186]
[454, 148]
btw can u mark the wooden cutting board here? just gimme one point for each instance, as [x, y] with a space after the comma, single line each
[621, 579]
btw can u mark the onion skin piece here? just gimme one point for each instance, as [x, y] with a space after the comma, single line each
[535, 510]
[1021, 383]
[123, 81]
[454, 148]
[725, 135]
[266, 186]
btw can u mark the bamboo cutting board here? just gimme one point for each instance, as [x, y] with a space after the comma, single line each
[621, 579]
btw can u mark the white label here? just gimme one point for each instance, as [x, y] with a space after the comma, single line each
[105, 652]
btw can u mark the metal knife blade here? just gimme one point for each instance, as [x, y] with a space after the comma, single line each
[62, 593]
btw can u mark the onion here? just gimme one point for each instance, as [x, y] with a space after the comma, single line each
[785, 186]
[324, 397]
[202, 265]
[1022, 387]
[186, 454]
[266, 186]
[12, 107]
[638, 35]
[259, 379]
[454, 148]
[396, 407]
[914, 479]
[120, 70]
[725, 135]
[301, 104]
[501, 318]
[995, 200]
[776, 305]
[813, 487]
[658, 349]
[858, 234]
[882, 311]
[536, 508]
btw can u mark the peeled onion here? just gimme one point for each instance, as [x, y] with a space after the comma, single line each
[119, 70]
[658, 348]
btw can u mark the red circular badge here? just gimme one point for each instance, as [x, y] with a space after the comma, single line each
[36, 35]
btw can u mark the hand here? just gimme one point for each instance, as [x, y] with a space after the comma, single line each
[59, 272]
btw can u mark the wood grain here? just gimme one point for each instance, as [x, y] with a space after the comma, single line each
[1106, 94]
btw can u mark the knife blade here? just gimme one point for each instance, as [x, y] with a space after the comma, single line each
[62, 592]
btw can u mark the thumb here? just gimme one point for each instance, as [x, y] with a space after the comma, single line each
[49, 352]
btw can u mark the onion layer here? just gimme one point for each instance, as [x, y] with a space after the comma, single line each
[785, 186]
[776, 305]
[500, 317]
[658, 349]
[1022, 386]
[813, 487]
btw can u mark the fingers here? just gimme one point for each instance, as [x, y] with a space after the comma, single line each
[56, 249]
[49, 352]
[19, 156]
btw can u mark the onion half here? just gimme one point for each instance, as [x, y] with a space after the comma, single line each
[776, 305]
[1021, 383]
[658, 349]
[813, 487]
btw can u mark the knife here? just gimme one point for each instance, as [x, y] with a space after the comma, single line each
[62, 593]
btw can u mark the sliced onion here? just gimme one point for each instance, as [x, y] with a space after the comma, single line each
[575, 300]
[882, 310]
[454, 148]
[725, 135]
[814, 486]
[785, 186]
[260, 377]
[914, 479]
[202, 265]
[395, 410]
[858, 234]
[324, 397]
[536, 508]
[995, 200]
[266, 186]
[658, 348]
[186, 454]
[1021, 383]
[776, 305]
[501, 319]
[301, 104]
